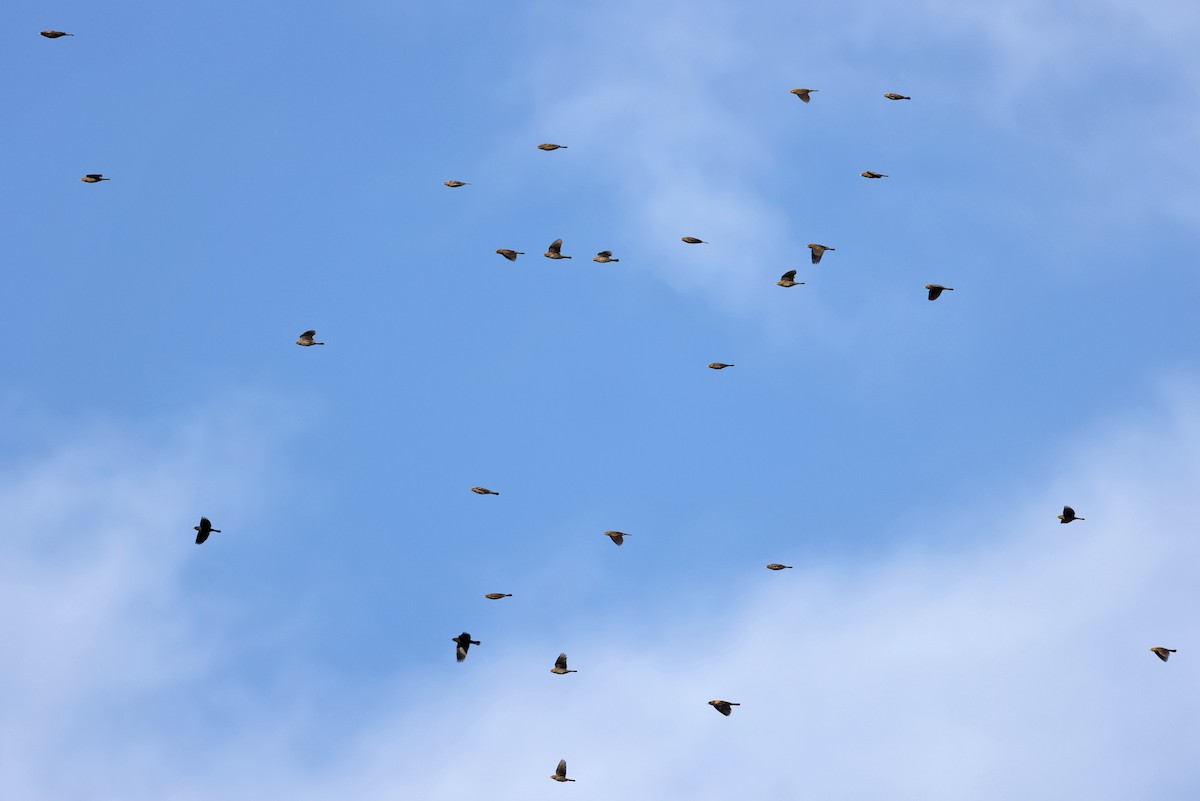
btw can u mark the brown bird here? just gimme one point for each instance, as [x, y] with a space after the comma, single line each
[617, 537]
[720, 366]
[483, 491]
[94, 178]
[724, 707]
[691, 240]
[511, 255]
[204, 529]
[560, 666]
[604, 257]
[894, 96]
[464, 644]
[306, 339]
[788, 279]
[818, 251]
[936, 290]
[496, 596]
[552, 147]
[55, 34]
[869, 174]
[560, 773]
[803, 93]
[777, 566]
[455, 184]
[1068, 515]
[555, 251]
[1162, 653]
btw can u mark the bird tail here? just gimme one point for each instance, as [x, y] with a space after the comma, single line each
[1081, 518]
[100, 179]
[570, 780]
[568, 257]
[614, 260]
[731, 703]
[318, 343]
[476, 642]
[217, 530]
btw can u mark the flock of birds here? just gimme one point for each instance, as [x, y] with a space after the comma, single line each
[463, 641]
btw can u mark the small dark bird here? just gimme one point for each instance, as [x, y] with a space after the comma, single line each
[936, 290]
[483, 491]
[511, 255]
[560, 773]
[894, 96]
[555, 251]
[455, 184]
[818, 251]
[691, 240]
[552, 147]
[560, 666]
[204, 529]
[724, 707]
[617, 537]
[604, 257]
[1162, 653]
[306, 339]
[94, 178]
[55, 34]
[1068, 515]
[496, 596]
[869, 174]
[777, 566]
[788, 279]
[803, 93]
[720, 366]
[464, 644]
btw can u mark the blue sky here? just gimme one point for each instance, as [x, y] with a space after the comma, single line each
[279, 167]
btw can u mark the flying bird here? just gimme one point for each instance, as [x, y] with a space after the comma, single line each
[818, 251]
[560, 773]
[788, 279]
[204, 529]
[617, 537]
[691, 240]
[55, 34]
[1162, 653]
[560, 666]
[894, 96]
[552, 147]
[777, 566]
[511, 255]
[869, 174]
[496, 596]
[604, 257]
[724, 707]
[483, 491]
[306, 339]
[555, 251]
[720, 366]
[94, 178]
[464, 644]
[936, 290]
[1068, 515]
[455, 184]
[803, 93]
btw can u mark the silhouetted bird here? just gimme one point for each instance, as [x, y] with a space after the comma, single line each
[724, 707]
[869, 174]
[483, 491]
[455, 184]
[777, 566]
[604, 257]
[511, 255]
[1162, 653]
[691, 240]
[802, 93]
[720, 365]
[94, 178]
[204, 529]
[552, 147]
[818, 251]
[894, 96]
[616, 536]
[936, 290]
[306, 339]
[55, 34]
[464, 644]
[788, 279]
[496, 596]
[560, 666]
[1068, 515]
[560, 773]
[555, 251]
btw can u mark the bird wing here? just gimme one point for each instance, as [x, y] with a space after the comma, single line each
[561, 662]
[605, 253]
[935, 292]
[205, 523]
[790, 275]
[1068, 511]
[561, 770]
[556, 246]
[817, 253]
[201, 536]
[94, 175]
